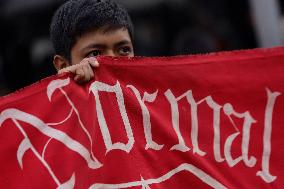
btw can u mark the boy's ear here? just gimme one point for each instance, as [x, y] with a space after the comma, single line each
[60, 62]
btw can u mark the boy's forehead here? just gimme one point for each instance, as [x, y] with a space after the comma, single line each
[102, 37]
[110, 28]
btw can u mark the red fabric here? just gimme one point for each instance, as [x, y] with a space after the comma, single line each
[211, 121]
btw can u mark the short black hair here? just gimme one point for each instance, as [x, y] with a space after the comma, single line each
[77, 17]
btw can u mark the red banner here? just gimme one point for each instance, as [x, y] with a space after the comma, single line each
[211, 121]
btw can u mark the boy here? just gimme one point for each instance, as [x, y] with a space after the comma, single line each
[82, 29]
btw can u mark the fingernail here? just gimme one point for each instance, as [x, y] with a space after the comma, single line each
[95, 62]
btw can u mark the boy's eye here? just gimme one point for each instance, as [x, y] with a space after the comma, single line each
[94, 53]
[124, 51]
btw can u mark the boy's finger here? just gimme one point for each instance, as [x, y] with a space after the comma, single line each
[71, 69]
[87, 74]
[63, 70]
[91, 71]
[79, 77]
[93, 62]
[79, 71]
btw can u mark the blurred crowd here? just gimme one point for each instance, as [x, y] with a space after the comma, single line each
[162, 28]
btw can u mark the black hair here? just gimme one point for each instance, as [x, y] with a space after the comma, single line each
[77, 17]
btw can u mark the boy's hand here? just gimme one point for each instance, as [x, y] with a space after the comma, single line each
[83, 71]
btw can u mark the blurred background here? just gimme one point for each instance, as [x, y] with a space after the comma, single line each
[162, 28]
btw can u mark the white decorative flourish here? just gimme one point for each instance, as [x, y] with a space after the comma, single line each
[69, 184]
[63, 121]
[26, 145]
[58, 84]
[144, 184]
[207, 179]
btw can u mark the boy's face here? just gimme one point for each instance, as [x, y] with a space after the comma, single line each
[100, 42]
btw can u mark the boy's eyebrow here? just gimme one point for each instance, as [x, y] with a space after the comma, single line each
[123, 42]
[97, 45]
[93, 46]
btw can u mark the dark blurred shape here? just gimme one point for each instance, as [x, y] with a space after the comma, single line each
[17, 7]
[189, 41]
[190, 27]
[26, 49]
[162, 28]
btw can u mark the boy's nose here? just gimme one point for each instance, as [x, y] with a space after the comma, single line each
[110, 53]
